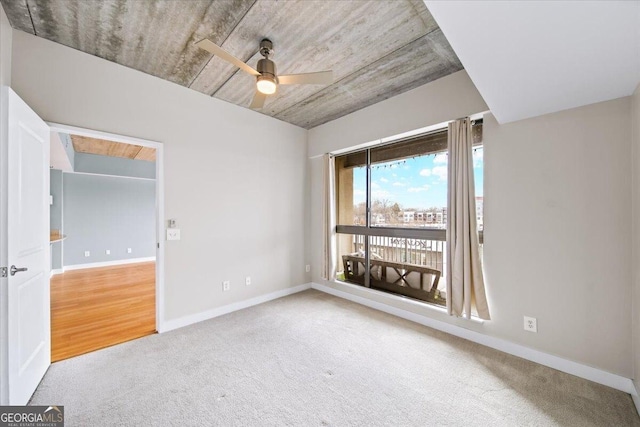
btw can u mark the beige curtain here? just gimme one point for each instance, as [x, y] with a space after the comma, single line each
[465, 282]
[328, 217]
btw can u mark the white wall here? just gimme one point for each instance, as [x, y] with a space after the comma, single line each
[635, 260]
[557, 217]
[557, 242]
[436, 102]
[234, 178]
[5, 49]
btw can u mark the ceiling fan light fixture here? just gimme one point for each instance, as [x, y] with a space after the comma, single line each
[266, 84]
[267, 79]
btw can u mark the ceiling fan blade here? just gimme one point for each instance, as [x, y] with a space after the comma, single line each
[210, 46]
[258, 100]
[319, 78]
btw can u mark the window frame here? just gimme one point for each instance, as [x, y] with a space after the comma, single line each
[368, 230]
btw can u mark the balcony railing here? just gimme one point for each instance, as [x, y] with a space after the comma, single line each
[426, 253]
[409, 262]
[408, 266]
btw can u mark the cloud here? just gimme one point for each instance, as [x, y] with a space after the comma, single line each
[399, 184]
[384, 180]
[425, 172]
[375, 185]
[381, 194]
[440, 172]
[441, 158]
[395, 175]
[416, 189]
[478, 158]
[359, 196]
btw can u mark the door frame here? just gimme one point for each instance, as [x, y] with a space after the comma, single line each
[160, 222]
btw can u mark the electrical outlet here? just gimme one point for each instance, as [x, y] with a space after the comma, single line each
[530, 324]
[247, 281]
[108, 252]
[128, 250]
[307, 268]
[87, 253]
[173, 234]
[226, 285]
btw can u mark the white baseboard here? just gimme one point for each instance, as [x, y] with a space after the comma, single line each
[56, 271]
[583, 371]
[170, 325]
[107, 263]
[636, 397]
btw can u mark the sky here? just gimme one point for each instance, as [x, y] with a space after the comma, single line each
[419, 182]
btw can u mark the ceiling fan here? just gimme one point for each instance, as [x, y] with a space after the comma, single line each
[267, 80]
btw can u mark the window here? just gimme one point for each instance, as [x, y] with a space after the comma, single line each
[391, 212]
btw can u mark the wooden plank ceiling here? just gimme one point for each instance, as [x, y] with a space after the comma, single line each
[102, 147]
[377, 49]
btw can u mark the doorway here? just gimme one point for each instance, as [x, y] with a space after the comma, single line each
[106, 239]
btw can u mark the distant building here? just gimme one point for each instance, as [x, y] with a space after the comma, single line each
[378, 219]
[430, 217]
[409, 216]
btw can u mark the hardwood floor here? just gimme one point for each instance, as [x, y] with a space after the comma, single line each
[99, 307]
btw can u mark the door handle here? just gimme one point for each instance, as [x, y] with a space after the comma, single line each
[13, 270]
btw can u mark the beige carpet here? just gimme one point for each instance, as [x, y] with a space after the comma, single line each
[315, 360]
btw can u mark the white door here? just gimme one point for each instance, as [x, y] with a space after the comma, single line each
[28, 323]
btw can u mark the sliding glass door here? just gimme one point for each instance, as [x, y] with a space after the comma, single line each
[391, 212]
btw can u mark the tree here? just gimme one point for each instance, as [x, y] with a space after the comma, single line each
[396, 210]
[381, 207]
[360, 213]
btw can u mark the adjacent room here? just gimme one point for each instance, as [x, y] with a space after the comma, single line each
[103, 243]
[308, 212]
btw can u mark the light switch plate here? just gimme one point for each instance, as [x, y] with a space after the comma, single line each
[173, 234]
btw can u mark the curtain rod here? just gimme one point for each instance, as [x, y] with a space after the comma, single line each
[396, 141]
